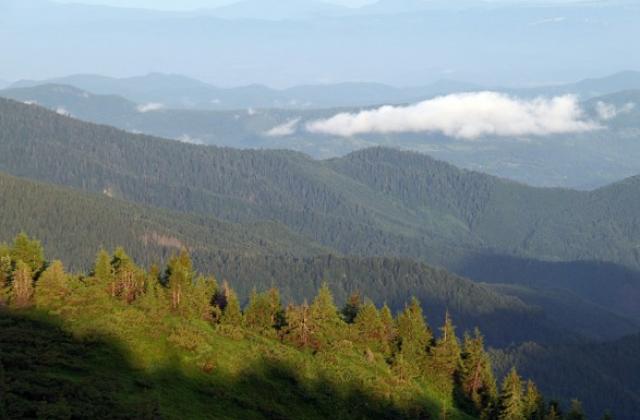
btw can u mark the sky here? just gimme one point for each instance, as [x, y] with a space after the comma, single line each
[501, 46]
[188, 4]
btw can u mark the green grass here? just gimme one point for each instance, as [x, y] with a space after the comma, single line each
[120, 363]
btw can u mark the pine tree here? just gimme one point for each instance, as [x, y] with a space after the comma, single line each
[445, 356]
[388, 323]
[200, 297]
[476, 381]
[231, 314]
[533, 402]
[28, 251]
[553, 413]
[102, 270]
[299, 329]
[179, 277]
[369, 328]
[324, 317]
[154, 299]
[351, 308]
[511, 404]
[259, 314]
[22, 285]
[576, 412]
[52, 288]
[414, 337]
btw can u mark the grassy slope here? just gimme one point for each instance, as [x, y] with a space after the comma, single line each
[142, 367]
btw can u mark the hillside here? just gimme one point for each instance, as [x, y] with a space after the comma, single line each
[581, 160]
[71, 223]
[253, 255]
[372, 202]
[605, 371]
[172, 343]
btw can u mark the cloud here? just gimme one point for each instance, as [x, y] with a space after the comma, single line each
[466, 116]
[285, 129]
[185, 138]
[62, 111]
[30, 102]
[150, 107]
[608, 111]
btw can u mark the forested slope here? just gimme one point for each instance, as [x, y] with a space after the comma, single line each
[372, 202]
[608, 372]
[72, 224]
[124, 342]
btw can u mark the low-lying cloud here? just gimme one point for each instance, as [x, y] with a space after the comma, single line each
[285, 129]
[608, 111]
[466, 116]
[150, 107]
[63, 111]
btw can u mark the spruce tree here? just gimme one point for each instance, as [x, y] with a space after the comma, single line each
[414, 337]
[511, 399]
[52, 288]
[22, 285]
[231, 314]
[154, 299]
[102, 269]
[576, 412]
[299, 329]
[445, 356]
[179, 277]
[259, 314]
[533, 402]
[28, 251]
[476, 381]
[324, 317]
[351, 308]
[200, 298]
[369, 327]
[388, 324]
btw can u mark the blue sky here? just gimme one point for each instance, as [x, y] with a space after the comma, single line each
[188, 4]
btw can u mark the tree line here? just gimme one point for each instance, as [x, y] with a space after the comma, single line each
[458, 369]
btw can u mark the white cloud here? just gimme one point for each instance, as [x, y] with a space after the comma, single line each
[62, 111]
[31, 102]
[185, 138]
[150, 107]
[608, 111]
[466, 116]
[251, 112]
[285, 129]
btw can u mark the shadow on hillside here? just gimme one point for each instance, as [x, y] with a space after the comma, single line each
[606, 284]
[47, 373]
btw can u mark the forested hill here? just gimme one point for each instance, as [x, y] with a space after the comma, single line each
[376, 201]
[124, 342]
[369, 203]
[73, 224]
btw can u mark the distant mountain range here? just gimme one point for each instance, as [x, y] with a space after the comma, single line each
[579, 160]
[392, 46]
[176, 91]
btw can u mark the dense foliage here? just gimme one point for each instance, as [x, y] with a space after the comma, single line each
[183, 347]
[71, 224]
